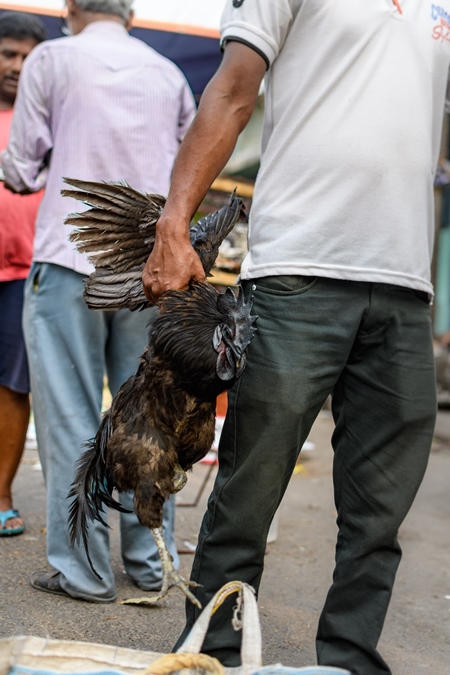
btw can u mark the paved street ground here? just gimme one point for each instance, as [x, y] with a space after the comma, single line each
[416, 638]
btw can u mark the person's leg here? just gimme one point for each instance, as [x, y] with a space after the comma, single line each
[305, 332]
[14, 417]
[127, 338]
[384, 405]
[14, 396]
[65, 343]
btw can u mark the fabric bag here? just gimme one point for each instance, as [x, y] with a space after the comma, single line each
[246, 618]
[41, 656]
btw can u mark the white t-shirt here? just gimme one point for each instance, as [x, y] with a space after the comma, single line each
[354, 106]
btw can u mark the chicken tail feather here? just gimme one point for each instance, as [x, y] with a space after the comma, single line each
[92, 489]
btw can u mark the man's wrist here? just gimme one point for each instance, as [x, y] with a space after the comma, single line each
[171, 227]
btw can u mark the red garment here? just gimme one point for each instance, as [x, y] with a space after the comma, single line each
[17, 218]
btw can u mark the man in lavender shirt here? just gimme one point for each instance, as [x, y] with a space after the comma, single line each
[97, 105]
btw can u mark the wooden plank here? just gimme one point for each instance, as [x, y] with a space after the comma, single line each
[221, 278]
[229, 184]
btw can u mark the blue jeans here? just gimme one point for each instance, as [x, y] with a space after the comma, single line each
[370, 346]
[70, 348]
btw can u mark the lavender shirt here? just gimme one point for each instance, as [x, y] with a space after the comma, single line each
[107, 107]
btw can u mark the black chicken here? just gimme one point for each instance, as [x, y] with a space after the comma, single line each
[162, 420]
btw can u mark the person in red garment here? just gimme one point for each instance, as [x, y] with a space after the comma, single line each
[19, 33]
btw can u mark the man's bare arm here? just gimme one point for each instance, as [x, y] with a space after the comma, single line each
[225, 108]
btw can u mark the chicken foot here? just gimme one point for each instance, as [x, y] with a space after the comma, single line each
[170, 576]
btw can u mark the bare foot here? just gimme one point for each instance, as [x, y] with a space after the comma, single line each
[11, 523]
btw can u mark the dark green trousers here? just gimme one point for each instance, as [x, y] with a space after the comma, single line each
[370, 346]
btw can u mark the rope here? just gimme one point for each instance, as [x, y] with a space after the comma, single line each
[172, 662]
[227, 590]
[236, 621]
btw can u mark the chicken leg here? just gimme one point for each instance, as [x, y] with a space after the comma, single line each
[170, 576]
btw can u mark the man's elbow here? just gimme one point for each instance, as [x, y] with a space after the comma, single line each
[19, 175]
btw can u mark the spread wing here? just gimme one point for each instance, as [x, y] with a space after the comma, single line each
[118, 232]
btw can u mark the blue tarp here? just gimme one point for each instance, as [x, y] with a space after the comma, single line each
[198, 57]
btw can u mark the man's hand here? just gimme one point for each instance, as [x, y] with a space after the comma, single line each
[12, 189]
[171, 265]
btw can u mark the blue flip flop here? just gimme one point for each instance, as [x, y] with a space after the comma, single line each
[5, 516]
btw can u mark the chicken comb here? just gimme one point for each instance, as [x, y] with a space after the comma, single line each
[233, 335]
[237, 312]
